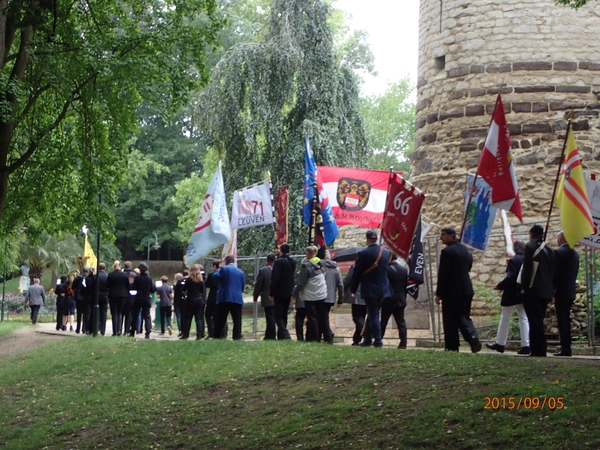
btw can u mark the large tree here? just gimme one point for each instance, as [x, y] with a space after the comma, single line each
[390, 124]
[265, 96]
[72, 77]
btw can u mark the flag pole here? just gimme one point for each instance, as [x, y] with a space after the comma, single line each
[472, 192]
[560, 167]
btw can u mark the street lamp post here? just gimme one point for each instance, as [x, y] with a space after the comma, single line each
[156, 246]
[4, 277]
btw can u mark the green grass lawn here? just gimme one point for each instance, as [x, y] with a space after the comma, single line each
[119, 393]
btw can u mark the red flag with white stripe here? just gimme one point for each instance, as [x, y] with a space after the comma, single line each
[496, 165]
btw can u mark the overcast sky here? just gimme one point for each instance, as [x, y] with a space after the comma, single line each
[393, 27]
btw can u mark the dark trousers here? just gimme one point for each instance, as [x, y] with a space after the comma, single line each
[456, 315]
[128, 315]
[177, 311]
[323, 319]
[60, 307]
[88, 309]
[223, 310]
[271, 331]
[102, 314]
[117, 304]
[211, 307]
[282, 305]
[563, 316]
[359, 312]
[35, 309]
[81, 325]
[314, 321]
[373, 305]
[299, 322]
[398, 313]
[165, 318]
[141, 307]
[535, 308]
[192, 309]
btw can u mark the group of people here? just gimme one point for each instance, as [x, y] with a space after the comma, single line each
[375, 286]
[535, 276]
[128, 293]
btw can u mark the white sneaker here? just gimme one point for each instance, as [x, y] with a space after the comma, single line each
[170, 330]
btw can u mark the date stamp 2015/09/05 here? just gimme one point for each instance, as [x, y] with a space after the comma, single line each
[524, 403]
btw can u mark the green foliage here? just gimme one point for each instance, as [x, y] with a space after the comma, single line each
[265, 96]
[72, 78]
[57, 253]
[390, 123]
[575, 4]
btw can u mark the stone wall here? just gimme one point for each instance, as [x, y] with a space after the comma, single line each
[545, 61]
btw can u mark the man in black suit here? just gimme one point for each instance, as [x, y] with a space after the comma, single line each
[280, 292]
[536, 286]
[455, 292]
[566, 266]
[118, 291]
[395, 305]
[370, 272]
[102, 289]
[144, 287]
[261, 288]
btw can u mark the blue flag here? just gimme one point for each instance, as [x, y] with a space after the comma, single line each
[325, 217]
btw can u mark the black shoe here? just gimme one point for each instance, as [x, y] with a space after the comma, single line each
[475, 345]
[499, 348]
[561, 353]
[523, 351]
[364, 344]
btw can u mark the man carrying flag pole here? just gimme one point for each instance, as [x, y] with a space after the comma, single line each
[316, 202]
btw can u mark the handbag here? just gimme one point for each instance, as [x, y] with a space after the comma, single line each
[535, 267]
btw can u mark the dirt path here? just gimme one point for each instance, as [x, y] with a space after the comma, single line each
[23, 339]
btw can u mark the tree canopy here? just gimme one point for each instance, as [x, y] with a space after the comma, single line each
[72, 77]
[390, 124]
[264, 96]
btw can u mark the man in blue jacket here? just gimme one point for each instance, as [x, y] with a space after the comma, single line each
[229, 297]
[370, 272]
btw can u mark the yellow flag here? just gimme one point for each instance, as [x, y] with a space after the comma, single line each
[89, 257]
[572, 198]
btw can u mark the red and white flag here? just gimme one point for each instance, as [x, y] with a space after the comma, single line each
[357, 196]
[402, 214]
[496, 165]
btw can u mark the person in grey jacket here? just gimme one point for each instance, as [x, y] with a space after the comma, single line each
[335, 288]
[261, 289]
[312, 289]
[36, 297]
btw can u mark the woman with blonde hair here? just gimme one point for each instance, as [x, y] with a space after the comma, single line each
[192, 303]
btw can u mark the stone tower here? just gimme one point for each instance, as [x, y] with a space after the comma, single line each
[543, 58]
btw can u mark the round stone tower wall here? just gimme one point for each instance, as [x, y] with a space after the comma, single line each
[545, 61]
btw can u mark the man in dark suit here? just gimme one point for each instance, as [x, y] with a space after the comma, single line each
[144, 287]
[118, 291]
[395, 305]
[536, 286]
[370, 272]
[455, 292]
[566, 266]
[280, 291]
[261, 288]
[101, 279]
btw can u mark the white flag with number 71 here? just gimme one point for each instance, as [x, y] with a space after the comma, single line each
[252, 206]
